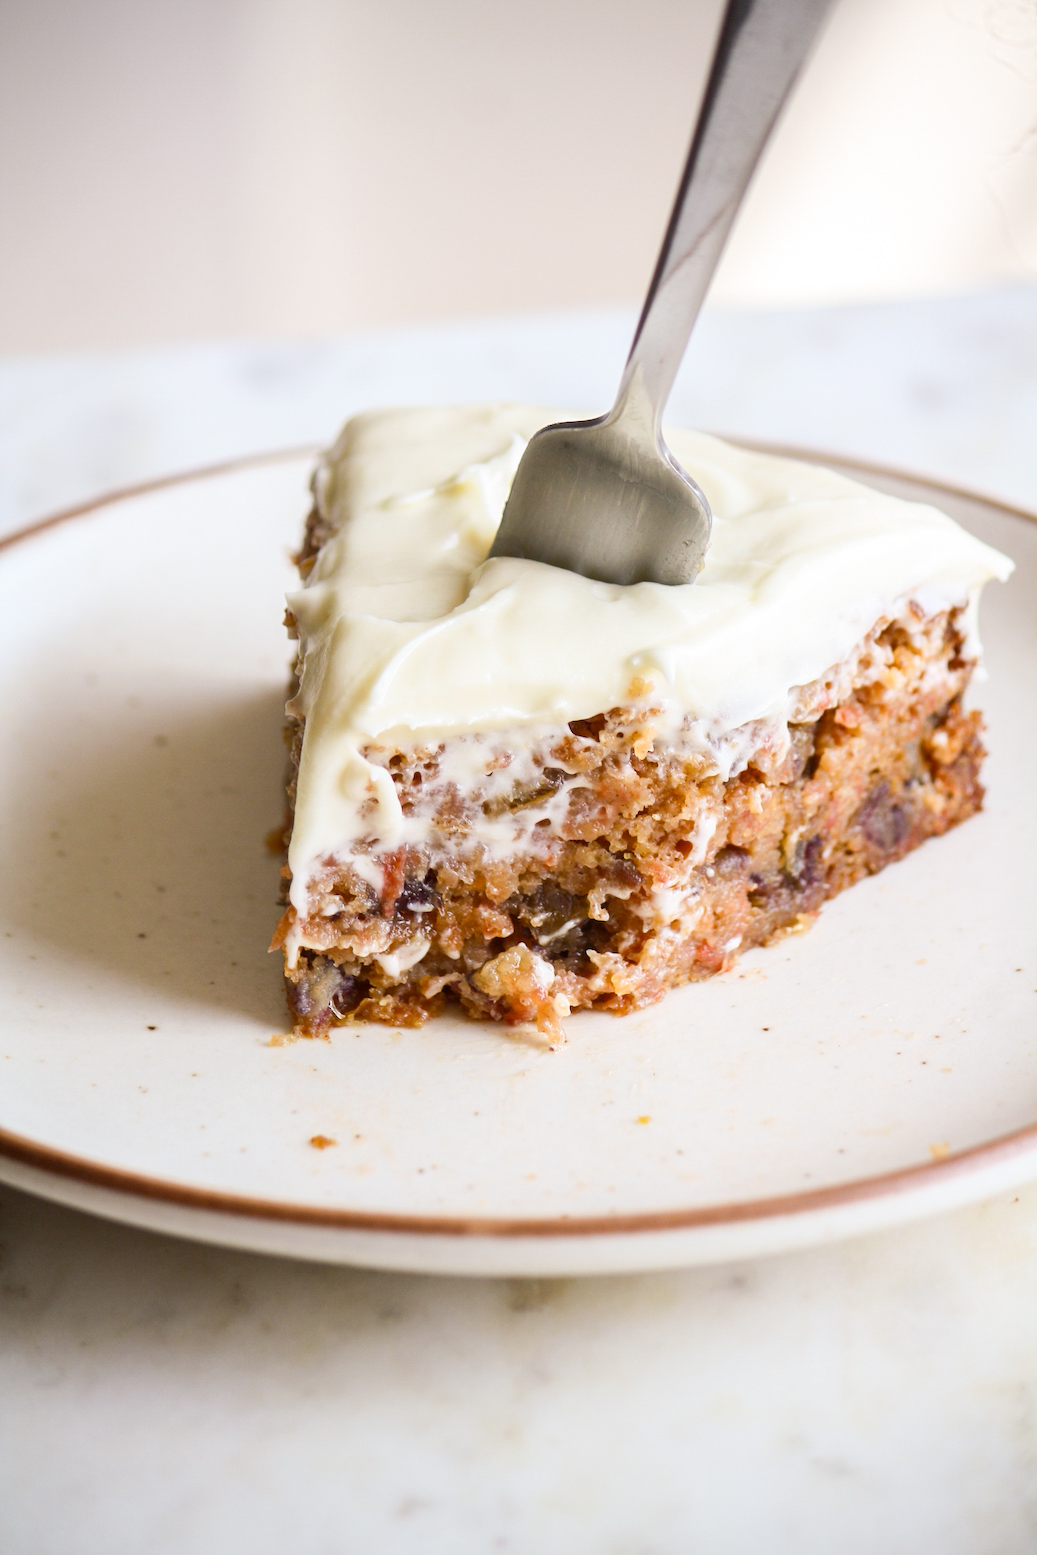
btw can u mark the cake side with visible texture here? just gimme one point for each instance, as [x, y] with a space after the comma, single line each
[527, 792]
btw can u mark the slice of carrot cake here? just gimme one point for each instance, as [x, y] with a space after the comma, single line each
[522, 791]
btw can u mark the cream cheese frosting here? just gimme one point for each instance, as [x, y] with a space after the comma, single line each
[409, 636]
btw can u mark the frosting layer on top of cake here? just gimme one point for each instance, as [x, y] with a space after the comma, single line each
[409, 636]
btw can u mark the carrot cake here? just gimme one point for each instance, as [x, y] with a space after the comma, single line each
[521, 792]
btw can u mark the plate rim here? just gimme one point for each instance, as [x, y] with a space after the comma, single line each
[958, 1165]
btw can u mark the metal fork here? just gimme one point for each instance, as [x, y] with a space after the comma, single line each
[606, 498]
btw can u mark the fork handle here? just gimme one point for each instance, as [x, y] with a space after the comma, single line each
[761, 46]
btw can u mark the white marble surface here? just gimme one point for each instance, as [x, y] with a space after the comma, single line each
[946, 387]
[875, 1395]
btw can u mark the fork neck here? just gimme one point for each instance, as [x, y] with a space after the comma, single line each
[638, 410]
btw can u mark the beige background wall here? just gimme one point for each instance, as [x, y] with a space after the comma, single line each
[173, 168]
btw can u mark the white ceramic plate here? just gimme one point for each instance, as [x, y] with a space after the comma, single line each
[880, 1067]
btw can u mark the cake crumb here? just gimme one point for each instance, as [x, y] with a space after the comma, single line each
[322, 1141]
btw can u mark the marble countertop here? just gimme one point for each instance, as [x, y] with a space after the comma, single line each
[879, 1394]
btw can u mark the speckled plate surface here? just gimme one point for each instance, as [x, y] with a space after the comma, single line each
[881, 1067]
